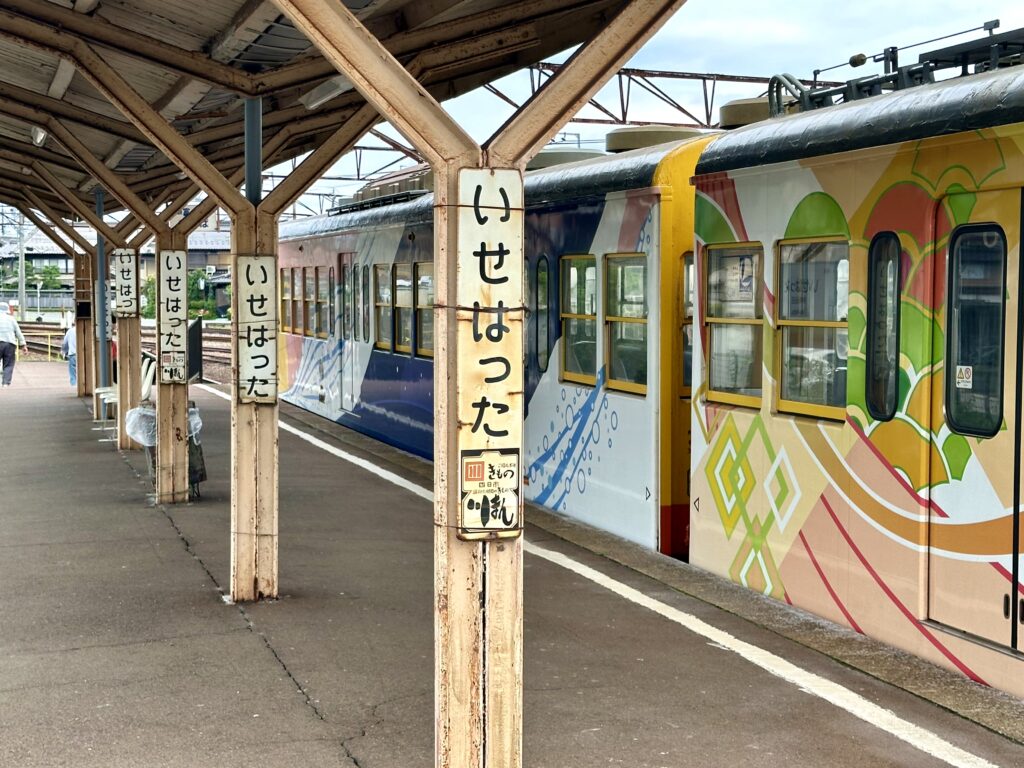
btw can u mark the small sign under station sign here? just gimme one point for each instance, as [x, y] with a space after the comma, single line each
[489, 492]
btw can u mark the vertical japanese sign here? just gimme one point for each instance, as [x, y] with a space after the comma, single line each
[256, 284]
[172, 298]
[126, 283]
[490, 342]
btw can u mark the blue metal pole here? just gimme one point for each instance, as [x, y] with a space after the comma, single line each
[101, 295]
[254, 149]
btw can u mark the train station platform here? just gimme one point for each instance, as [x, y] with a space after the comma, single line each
[120, 649]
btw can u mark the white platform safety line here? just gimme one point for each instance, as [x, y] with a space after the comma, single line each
[809, 682]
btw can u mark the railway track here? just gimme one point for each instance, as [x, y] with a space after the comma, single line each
[45, 339]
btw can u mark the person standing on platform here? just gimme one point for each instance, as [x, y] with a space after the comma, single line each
[11, 338]
[69, 348]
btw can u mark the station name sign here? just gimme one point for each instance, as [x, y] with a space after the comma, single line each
[126, 282]
[489, 297]
[256, 285]
[172, 314]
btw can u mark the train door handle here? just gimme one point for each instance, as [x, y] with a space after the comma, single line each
[1020, 612]
[1006, 606]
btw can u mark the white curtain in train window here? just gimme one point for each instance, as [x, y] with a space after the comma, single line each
[814, 283]
[734, 320]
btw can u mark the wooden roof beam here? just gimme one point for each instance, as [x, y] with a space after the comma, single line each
[39, 204]
[29, 106]
[47, 229]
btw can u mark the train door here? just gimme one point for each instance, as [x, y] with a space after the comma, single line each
[974, 521]
[349, 272]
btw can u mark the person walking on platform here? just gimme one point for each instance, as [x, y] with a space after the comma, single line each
[69, 349]
[11, 338]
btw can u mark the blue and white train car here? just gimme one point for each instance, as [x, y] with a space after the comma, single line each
[607, 398]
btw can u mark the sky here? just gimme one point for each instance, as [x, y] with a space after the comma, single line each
[750, 37]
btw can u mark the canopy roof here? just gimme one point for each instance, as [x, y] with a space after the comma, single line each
[196, 62]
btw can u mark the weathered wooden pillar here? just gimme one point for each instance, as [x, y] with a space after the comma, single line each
[83, 324]
[478, 400]
[172, 368]
[478, 391]
[129, 358]
[254, 408]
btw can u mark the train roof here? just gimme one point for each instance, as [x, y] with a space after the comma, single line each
[547, 187]
[937, 109]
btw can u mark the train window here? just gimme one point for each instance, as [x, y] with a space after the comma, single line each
[403, 307]
[286, 300]
[687, 323]
[296, 280]
[323, 302]
[814, 280]
[309, 299]
[543, 307]
[346, 301]
[332, 300]
[366, 303]
[352, 299]
[626, 320]
[425, 308]
[883, 330]
[734, 323]
[382, 302]
[579, 319]
[975, 336]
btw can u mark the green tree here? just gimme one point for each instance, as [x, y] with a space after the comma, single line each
[50, 277]
[149, 295]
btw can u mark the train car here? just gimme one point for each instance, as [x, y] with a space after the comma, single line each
[856, 443]
[608, 243]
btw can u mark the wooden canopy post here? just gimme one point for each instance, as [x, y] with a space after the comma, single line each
[478, 378]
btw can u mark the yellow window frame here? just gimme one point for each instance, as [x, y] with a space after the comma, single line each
[321, 301]
[286, 299]
[731, 398]
[419, 266]
[797, 407]
[395, 306]
[378, 269]
[609, 320]
[578, 378]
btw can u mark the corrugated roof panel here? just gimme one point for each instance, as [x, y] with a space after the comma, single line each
[184, 23]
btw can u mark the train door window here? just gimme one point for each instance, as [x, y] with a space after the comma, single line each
[286, 300]
[626, 321]
[975, 336]
[309, 299]
[425, 308]
[366, 303]
[403, 307]
[883, 326]
[324, 302]
[383, 298]
[332, 301]
[735, 332]
[352, 300]
[813, 296]
[579, 319]
[687, 324]
[296, 281]
[543, 344]
[346, 301]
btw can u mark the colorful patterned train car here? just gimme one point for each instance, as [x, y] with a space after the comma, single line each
[607, 244]
[856, 438]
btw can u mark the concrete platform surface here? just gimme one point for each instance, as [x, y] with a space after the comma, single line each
[119, 649]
